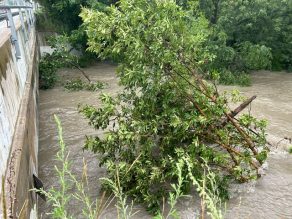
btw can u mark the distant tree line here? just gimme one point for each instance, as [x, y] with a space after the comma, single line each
[255, 28]
[243, 35]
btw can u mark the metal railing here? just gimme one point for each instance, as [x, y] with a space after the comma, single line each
[18, 8]
[3, 15]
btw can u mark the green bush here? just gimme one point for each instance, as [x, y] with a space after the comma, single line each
[255, 57]
[78, 84]
[234, 63]
[167, 111]
[62, 57]
[43, 23]
[94, 86]
[47, 71]
[74, 85]
[229, 78]
[60, 198]
[259, 23]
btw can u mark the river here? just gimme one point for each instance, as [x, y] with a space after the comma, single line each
[268, 197]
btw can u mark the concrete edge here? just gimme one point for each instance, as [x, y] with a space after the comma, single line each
[14, 161]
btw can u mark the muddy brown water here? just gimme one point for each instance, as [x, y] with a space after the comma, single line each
[268, 197]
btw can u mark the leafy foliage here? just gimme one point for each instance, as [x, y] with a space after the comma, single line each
[48, 66]
[63, 13]
[43, 23]
[206, 187]
[62, 17]
[229, 78]
[245, 35]
[258, 22]
[60, 198]
[63, 57]
[255, 57]
[167, 111]
[78, 84]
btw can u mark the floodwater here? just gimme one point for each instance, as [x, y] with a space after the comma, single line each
[269, 197]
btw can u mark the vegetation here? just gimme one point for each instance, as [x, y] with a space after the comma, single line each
[44, 23]
[60, 198]
[62, 17]
[78, 84]
[209, 196]
[265, 25]
[229, 78]
[243, 35]
[63, 13]
[48, 66]
[290, 149]
[167, 111]
[62, 57]
[170, 121]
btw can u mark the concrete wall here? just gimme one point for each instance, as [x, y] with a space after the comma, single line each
[18, 124]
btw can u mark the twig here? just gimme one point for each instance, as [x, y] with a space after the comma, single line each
[83, 73]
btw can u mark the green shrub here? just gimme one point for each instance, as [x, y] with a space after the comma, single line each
[62, 57]
[255, 57]
[60, 198]
[94, 86]
[47, 71]
[74, 85]
[229, 78]
[166, 111]
[43, 23]
[78, 84]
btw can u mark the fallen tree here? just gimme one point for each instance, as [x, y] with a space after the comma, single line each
[167, 111]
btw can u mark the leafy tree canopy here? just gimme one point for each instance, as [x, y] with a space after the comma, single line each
[259, 22]
[243, 35]
[167, 111]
